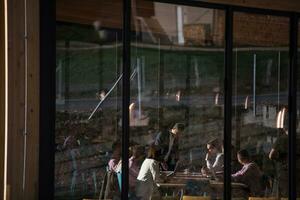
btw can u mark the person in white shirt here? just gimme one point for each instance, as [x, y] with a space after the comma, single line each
[214, 157]
[148, 176]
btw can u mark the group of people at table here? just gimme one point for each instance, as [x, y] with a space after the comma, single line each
[163, 155]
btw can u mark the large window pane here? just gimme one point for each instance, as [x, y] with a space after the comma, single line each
[260, 103]
[88, 70]
[176, 100]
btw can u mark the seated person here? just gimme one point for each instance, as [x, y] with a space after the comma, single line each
[115, 160]
[148, 176]
[135, 162]
[235, 165]
[250, 174]
[214, 157]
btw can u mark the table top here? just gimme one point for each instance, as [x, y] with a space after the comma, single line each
[179, 179]
[180, 185]
[233, 184]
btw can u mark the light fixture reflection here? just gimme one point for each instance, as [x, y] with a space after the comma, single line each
[246, 102]
[280, 118]
[217, 99]
[178, 95]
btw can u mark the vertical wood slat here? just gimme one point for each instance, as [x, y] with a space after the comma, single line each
[2, 95]
[16, 99]
[31, 189]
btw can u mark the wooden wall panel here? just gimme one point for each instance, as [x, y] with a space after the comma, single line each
[16, 99]
[2, 95]
[15, 92]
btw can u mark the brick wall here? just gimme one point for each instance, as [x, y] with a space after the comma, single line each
[255, 30]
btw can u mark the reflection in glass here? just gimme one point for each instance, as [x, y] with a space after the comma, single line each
[177, 104]
[88, 99]
[260, 104]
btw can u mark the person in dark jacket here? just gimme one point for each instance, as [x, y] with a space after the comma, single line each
[167, 143]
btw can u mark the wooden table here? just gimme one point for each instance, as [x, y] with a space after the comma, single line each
[239, 190]
[178, 182]
[176, 188]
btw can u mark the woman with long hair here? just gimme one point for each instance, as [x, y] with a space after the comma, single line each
[148, 176]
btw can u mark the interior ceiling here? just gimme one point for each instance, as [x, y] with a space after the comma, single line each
[107, 13]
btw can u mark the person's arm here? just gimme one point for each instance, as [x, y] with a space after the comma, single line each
[237, 174]
[113, 164]
[209, 162]
[218, 164]
[273, 155]
[133, 168]
[154, 168]
[240, 175]
[158, 139]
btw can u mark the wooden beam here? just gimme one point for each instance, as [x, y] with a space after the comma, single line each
[288, 5]
[2, 95]
[75, 11]
[108, 13]
[18, 101]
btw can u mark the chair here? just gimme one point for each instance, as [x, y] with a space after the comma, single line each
[195, 198]
[263, 198]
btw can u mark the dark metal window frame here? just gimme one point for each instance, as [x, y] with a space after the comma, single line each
[47, 91]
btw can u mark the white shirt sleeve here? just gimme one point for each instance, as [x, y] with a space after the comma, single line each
[217, 165]
[154, 168]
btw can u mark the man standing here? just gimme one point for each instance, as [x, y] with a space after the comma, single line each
[168, 145]
[279, 153]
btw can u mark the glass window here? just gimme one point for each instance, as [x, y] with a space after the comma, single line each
[176, 111]
[88, 99]
[260, 104]
[177, 104]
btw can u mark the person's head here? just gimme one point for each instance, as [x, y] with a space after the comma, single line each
[137, 151]
[152, 152]
[243, 156]
[116, 149]
[213, 146]
[177, 128]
